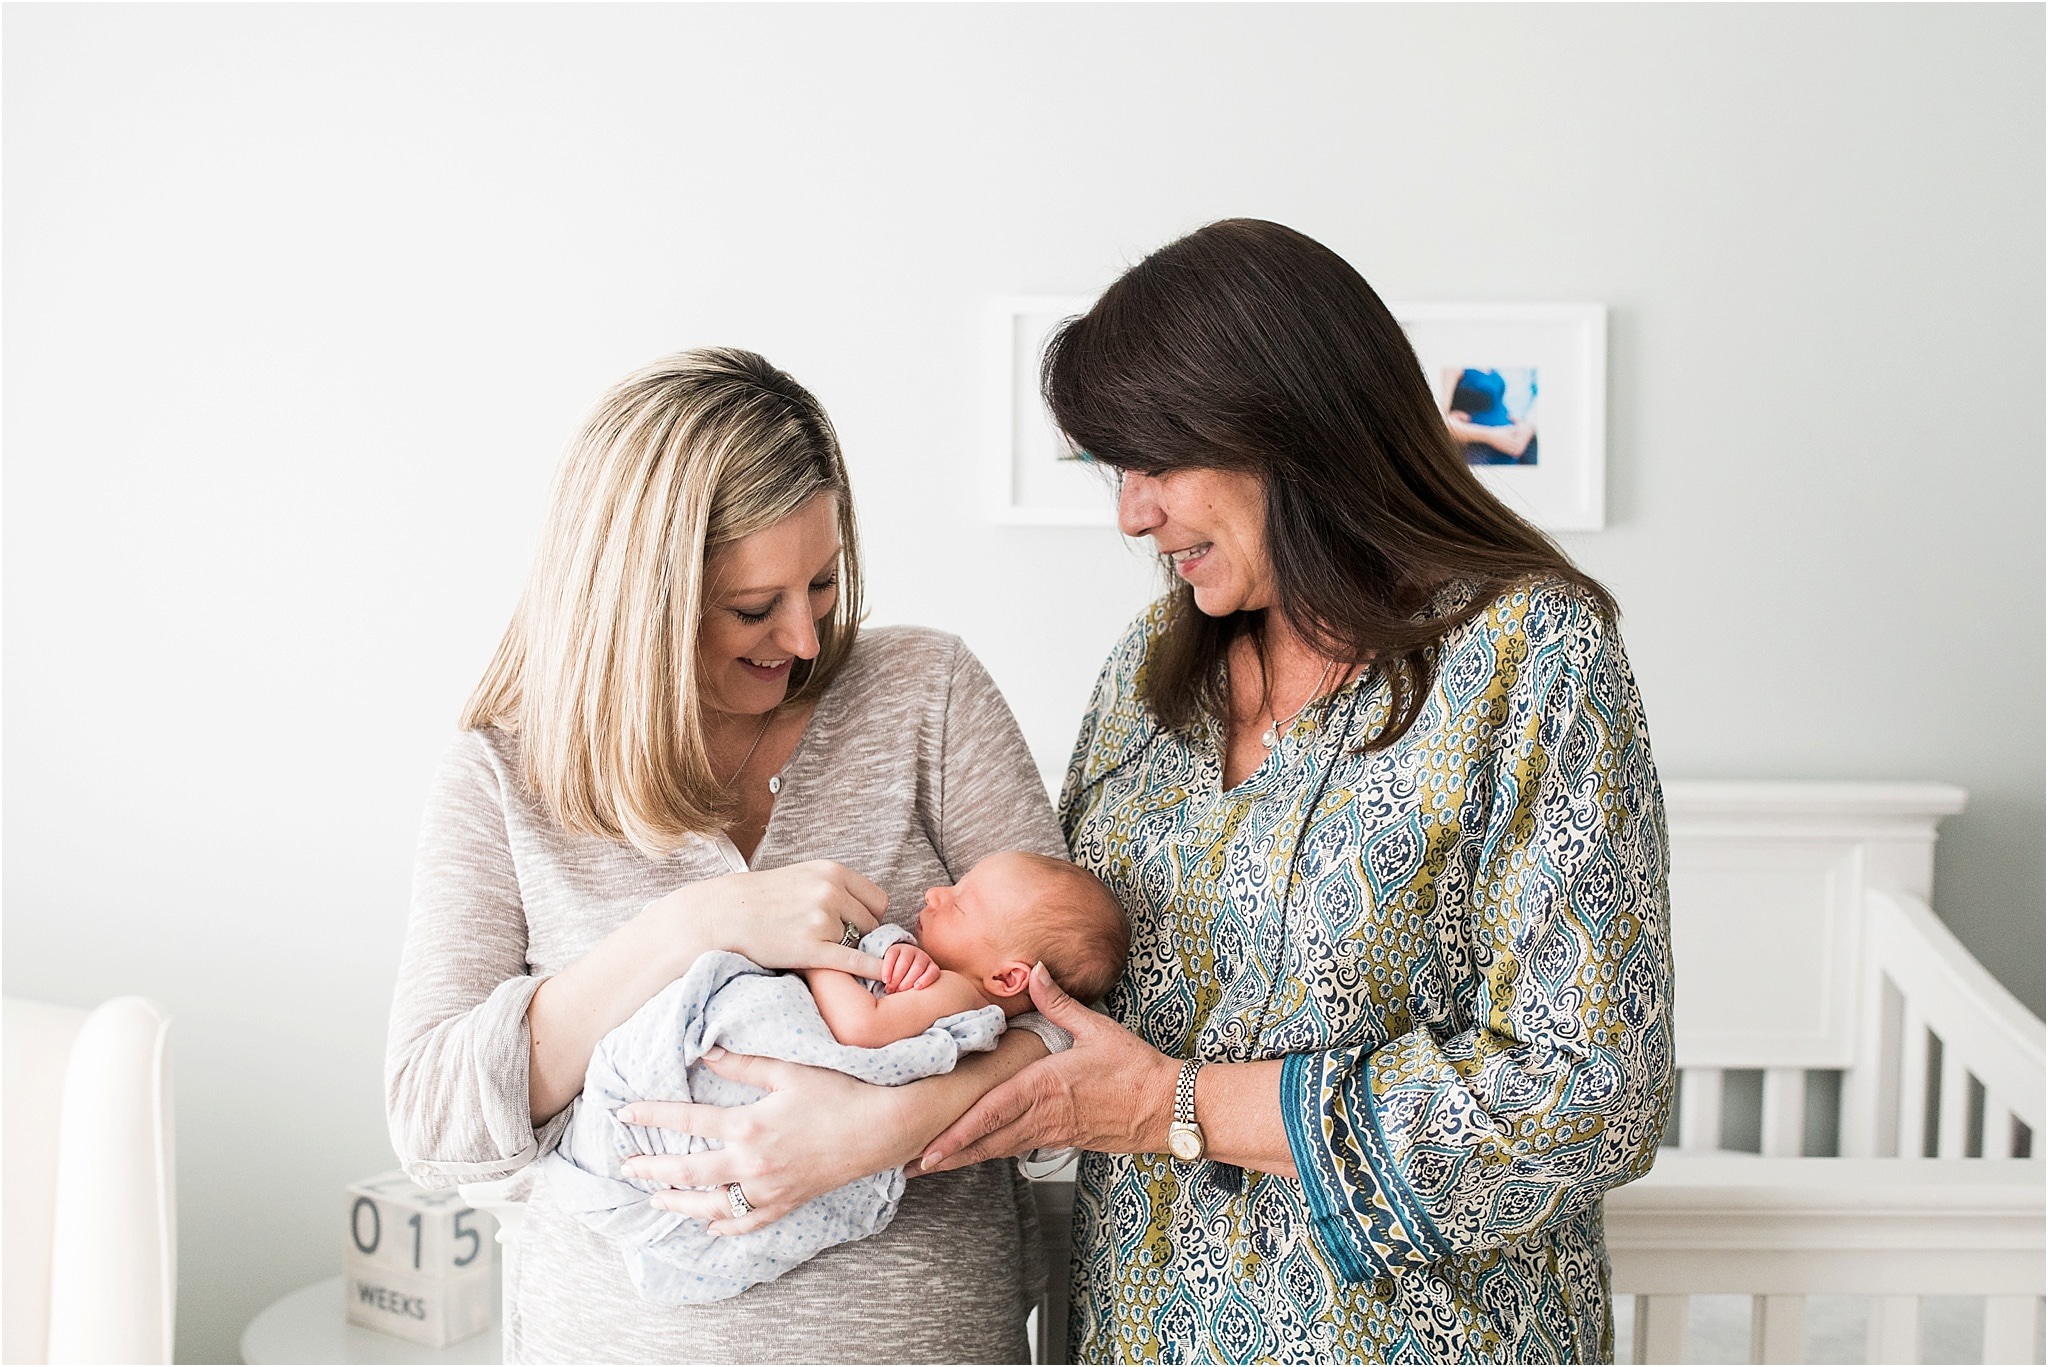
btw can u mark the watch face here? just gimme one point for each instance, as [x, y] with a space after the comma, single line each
[1185, 1141]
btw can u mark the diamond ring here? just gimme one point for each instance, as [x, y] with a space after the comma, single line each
[737, 1199]
[850, 936]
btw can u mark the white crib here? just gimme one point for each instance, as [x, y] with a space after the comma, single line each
[1854, 1147]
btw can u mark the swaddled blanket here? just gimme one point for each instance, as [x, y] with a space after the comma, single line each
[732, 1002]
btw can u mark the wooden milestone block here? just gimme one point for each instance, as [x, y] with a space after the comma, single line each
[418, 1263]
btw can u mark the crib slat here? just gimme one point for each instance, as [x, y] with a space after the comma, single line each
[1660, 1328]
[1699, 1112]
[1777, 1329]
[1998, 1120]
[1912, 1083]
[1953, 1131]
[2009, 1328]
[1894, 1329]
[1784, 1118]
[1870, 1090]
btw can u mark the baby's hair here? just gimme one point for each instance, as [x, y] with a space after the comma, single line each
[1076, 928]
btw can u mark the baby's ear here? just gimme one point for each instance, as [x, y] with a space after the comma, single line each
[1010, 979]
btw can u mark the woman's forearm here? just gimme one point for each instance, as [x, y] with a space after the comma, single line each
[1509, 440]
[577, 1007]
[1238, 1108]
[931, 1104]
[1467, 431]
[1236, 1104]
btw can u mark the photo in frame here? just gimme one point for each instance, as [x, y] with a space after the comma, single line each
[1034, 476]
[1523, 389]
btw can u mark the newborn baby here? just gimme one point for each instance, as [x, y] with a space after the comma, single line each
[953, 994]
[976, 942]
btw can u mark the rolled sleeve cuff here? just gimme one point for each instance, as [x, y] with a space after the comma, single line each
[1055, 1037]
[504, 1137]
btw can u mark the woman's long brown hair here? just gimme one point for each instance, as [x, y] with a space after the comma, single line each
[1248, 346]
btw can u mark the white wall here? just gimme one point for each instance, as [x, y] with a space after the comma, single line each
[301, 303]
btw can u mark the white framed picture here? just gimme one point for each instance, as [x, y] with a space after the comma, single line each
[1034, 476]
[1523, 387]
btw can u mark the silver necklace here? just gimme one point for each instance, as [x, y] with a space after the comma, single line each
[1270, 737]
[741, 768]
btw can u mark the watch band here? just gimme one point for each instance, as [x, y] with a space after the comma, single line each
[1184, 1093]
[1184, 1138]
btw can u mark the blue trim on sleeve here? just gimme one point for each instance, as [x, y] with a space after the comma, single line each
[1395, 1191]
[1300, 1102]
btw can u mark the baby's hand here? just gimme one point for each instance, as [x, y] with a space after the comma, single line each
[906, 968]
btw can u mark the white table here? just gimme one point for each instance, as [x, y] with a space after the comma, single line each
[310, 1325]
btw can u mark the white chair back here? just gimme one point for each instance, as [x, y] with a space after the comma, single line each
[89, 1204]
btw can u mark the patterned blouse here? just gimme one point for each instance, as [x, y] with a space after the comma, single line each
[1460, 947]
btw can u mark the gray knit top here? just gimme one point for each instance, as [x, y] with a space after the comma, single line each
[910, 771]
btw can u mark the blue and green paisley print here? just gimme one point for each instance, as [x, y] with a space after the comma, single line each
[1460, 947]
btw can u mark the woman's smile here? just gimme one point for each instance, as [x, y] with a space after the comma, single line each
[1185, 561]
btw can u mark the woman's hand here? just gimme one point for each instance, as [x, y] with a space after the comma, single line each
[1513, 440]
[777, 1148]
[791, 917]
[1111, 1092]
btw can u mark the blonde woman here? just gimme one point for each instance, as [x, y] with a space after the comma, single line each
[685, 743]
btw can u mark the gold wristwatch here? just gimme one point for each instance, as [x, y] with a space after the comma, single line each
[1184, 1136]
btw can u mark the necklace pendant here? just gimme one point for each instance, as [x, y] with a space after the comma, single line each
[774, 784]
[1270, 737]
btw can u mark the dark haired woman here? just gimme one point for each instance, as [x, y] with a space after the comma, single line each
[1373, 782]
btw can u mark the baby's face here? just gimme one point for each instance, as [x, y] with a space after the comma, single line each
[968, 927]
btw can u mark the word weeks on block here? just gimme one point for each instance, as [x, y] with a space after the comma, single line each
[418, 1264]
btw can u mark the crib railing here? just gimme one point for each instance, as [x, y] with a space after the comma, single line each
[1783, 1230]
[1953, 1065]
[1936, 1194]
[1948, 1064]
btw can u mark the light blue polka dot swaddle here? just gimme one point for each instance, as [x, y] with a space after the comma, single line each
[729, 1001]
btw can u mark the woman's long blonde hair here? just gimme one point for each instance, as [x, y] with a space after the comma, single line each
[598, 671]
